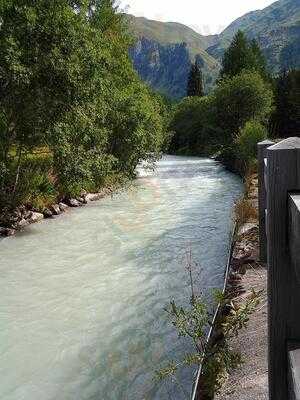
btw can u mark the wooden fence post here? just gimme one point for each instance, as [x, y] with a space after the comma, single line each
[262, 198]
[283, 176]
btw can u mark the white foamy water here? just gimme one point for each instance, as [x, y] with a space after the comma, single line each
[82, 296]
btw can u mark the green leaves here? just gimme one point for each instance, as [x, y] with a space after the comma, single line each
[217, 356]
[67, 83]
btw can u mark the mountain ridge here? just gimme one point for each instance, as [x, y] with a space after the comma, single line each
[276, 28]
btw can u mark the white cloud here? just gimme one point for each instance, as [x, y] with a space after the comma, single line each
[205, 16]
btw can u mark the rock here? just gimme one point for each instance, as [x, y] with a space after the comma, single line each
[242, 270]
[82, 200]
[35, 217]
[7, 231]
[227, 309]
[247, 229]
[74, 203]
[94, 196]
[21, 224]
[235, 277]
[47, 213]
[27, 214]
[245, 252]
[63, 207]
[55, 209]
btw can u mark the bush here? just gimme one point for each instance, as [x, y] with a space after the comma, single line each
[247, 139]
[193, 126]
[240, 99]
[204, 125]
[29, 183]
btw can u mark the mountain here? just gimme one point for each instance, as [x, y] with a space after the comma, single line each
[164, 51]
[277, 29]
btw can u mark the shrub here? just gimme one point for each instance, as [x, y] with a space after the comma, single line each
[247, 139]
[193, 126]
[204, 125]
[240, 99]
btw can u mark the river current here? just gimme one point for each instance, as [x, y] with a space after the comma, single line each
[82, 297]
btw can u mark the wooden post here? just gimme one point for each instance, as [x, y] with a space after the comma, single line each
[283, 175]
[262, 198]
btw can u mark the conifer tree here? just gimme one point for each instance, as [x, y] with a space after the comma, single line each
[195, 81]
[259, 62]
[241, 55]
[237, 57]
[285, 120]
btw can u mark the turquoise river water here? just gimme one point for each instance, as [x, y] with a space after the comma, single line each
[82, 297]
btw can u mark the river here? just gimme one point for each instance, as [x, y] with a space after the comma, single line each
[82, 296]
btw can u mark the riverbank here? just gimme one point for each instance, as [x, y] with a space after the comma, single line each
[25, 215]
[249, 381]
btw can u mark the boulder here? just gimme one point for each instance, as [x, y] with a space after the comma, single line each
[248, 228]
[63, 207]
[7, 231]
[35, 217]
[253, 193]
[27, 214]
[47, 213]
[94, 196]
[55, 209]
[21, 224]
[74, 203]
[244, 252]
[82, 200]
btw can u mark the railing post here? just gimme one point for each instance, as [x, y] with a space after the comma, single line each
[283, 175]
[262, 198]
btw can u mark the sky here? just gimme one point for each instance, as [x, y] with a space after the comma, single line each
[204, 16]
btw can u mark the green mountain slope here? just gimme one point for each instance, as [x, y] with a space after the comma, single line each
[173, 33]
[277, 28]
[164, 51]
[162, 60]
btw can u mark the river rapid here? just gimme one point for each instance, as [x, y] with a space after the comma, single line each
[83, 296]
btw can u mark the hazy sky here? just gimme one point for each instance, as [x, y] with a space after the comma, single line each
[205, 16]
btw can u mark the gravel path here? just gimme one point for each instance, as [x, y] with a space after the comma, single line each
[249, 382]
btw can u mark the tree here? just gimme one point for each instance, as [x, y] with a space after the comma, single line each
[252, 133]
[285, 120]
[194, 131]
[67, 84]
[242, 98]
[259, 60]
[241, 55]
[201, 125]
[195, 81]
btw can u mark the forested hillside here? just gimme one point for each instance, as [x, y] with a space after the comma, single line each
[163, 54]
[156, 52]
[277, 29]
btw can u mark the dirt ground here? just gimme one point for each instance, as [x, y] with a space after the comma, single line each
[249, 382]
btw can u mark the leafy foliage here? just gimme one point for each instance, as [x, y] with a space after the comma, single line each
[205, 125]
[67, 83]
[194, 128]
[246, 141]
[218, 358]
[242, 98]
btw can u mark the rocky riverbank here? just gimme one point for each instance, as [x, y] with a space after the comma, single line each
[246, 273]
[25, 215]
